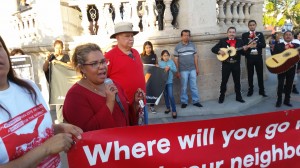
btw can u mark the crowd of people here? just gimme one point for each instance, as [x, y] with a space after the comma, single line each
[111, 90]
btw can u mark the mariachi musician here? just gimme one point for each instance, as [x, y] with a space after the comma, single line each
[231, 64]
[254, 57]
[286, 77]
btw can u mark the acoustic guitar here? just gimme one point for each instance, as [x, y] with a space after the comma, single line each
[282, 62]
[231, 51]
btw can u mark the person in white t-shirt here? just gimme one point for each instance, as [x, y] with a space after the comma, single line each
[28, 138]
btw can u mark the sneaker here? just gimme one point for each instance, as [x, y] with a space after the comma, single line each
[197, 104]
[183, 105]
[294, 90]
[152, 110]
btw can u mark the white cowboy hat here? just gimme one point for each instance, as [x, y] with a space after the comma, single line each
[123, 27]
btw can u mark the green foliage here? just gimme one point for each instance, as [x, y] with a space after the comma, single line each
[278, 11]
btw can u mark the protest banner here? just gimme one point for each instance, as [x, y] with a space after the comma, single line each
[156, 79]
[62, 79]
[263, 140]
[23, 67]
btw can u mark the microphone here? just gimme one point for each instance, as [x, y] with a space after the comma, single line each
[108, 81]
[52, 57]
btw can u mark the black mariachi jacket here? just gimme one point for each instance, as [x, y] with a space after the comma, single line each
[261, 43]
[223, 44]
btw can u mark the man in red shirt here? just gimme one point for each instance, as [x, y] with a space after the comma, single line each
[125, 66]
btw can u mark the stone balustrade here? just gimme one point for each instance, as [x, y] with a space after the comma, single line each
[142, 13]
[234, 13]
[24, 23]
[99, 17]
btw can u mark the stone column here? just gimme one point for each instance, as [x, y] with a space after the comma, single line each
[84, 22]
[221, 15]
[26, 27]
[101, 19]
[168, 15]
[256, 13]
[144, 17]
[200, 16]
[228, 13]
[22, 28]
[31, 26]
[117, 4]
[151, 14]
[135, 18]
[241, 14]
[108, 20]
[235, 14]
[127, 12]
[247, 15]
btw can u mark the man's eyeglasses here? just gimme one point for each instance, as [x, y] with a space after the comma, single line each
[97, 64]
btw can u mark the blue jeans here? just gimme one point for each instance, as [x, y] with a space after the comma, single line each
[191, 77]
[168, 95]
[146, 115]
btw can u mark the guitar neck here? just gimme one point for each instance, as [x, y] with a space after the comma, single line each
[240, 48]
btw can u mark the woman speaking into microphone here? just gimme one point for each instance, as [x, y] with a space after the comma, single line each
[95, 102]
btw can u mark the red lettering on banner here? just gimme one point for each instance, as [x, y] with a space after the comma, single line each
[262, 140]
[19, 136]
[21, 120]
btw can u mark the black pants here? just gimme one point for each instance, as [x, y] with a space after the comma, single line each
[256, 63]
[286, 78]
[235, 69]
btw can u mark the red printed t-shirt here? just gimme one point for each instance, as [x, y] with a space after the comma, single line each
[126, 71]
[30, 125]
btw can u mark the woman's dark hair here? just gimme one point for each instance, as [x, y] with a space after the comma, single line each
[58, 42]
[16, 51]
[80, 54]
[162, 53]
[144, 46]
[13, 78]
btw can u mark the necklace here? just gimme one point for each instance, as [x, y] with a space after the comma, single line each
[94, 89]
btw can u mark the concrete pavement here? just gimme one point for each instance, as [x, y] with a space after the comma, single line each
[212, 109]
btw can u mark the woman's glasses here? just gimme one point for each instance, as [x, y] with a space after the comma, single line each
[97, 64]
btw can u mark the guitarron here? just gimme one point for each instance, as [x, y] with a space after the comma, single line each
[282, 62]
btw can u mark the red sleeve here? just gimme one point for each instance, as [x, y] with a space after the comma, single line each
[79, 109]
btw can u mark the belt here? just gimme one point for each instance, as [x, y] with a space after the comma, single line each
[231, 61]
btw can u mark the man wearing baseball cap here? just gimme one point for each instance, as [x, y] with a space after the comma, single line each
[125, 66]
